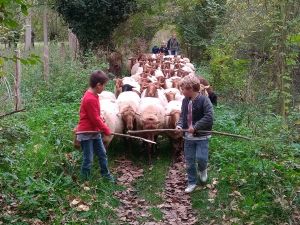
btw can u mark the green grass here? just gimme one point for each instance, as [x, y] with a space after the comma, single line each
[256, 169]
[39, 168]
[151, 186]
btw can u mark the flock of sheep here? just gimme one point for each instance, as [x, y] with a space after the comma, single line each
[150, 98]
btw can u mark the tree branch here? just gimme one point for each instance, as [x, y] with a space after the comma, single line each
[7, 114]
[185, 130]
[117, 134]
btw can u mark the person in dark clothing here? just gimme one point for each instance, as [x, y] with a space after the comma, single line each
[196, 114]
[163, 49]
[173, 45]
[155, 50]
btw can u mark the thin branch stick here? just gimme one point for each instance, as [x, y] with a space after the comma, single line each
[185, 130]
[117, 134]
[134, 137]
[7, 114]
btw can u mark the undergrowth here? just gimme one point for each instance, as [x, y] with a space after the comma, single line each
[254, 182]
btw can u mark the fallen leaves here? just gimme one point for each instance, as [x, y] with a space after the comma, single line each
[79, 205]
[236, 194]
[83, 207]
[132, 208]
[212, 194]
[70, 158]
[177, 208]
[127, 172]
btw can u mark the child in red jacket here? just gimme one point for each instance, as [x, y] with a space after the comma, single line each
[91, 124]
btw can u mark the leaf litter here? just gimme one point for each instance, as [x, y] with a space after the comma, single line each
[176, 208]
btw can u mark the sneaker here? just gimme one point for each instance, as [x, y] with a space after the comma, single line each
[190, 188]
[203, 176]
[110, 178]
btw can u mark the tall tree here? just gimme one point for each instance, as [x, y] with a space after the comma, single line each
[46, 47]
[28, 30]
[93, 21]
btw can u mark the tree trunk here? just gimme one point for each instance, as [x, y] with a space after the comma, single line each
[73, 44]
[46, 47]
[62, 51]
[17, 81]
[28, 32]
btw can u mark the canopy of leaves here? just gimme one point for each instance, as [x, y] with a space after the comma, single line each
[93, 21]
[197, 22]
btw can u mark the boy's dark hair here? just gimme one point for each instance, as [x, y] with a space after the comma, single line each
[98, 76]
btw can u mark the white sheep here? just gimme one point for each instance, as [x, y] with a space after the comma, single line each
[173, 94]
[134, 68]
[190, 65]
[107, 95]
[128, 103]
[171, 108]
[152, 114]
[110, 114]
[158, 73]
[187, 60]
[160, 95]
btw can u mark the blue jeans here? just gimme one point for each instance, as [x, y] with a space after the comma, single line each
[173, 52]
[90, 147]
[196, 155]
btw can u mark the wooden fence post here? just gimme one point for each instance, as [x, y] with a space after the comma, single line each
[46, 47]
[73, 44]
[18, 81]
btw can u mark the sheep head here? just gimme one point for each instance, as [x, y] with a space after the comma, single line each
[128, 117]
[170, 96]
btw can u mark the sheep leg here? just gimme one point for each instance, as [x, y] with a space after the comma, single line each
[155, 147]
[177, 147]
[149, 150]
[173, 144]
[128, 145]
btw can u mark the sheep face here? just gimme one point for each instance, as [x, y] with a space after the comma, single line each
[151, 90]
[118, 82]
[174, 118]
[128, 117]
[175, 84]
[150, 122]
[170, 96]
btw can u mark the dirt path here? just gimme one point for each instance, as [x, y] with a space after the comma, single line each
[132, 208]
[176, 208]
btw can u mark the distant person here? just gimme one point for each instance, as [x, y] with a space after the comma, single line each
[163, 49]
[173, 45]
[90, 125]
[155, 50]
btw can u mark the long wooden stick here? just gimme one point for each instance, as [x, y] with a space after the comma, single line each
[134, 137]
[117, 134]
[185, 130]
[22, 110]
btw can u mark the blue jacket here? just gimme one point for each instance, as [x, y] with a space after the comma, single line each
[202, 115]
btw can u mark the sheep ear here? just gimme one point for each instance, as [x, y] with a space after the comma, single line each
[167, 115]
